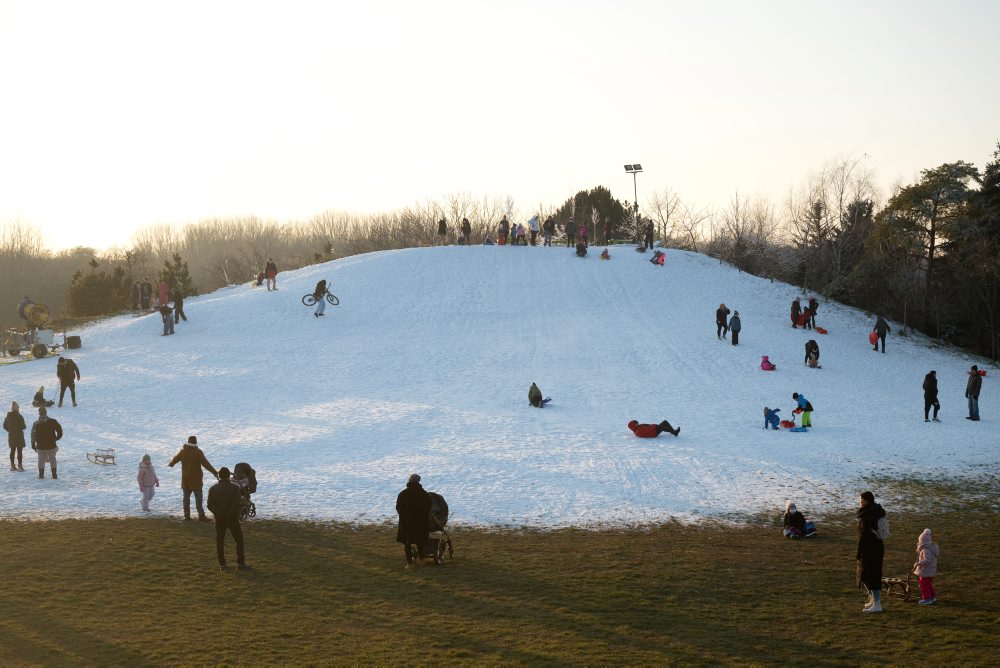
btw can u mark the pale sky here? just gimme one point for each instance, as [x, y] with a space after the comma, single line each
[118, 115]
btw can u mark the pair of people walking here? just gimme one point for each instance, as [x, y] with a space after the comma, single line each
[45, 433]
[724, 325]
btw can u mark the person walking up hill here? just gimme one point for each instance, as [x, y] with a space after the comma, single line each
[881, 329]
[931, 395]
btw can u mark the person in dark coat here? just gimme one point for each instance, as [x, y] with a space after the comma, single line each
[535, 397]
[646, 430]
[45, 432]
[972, 388]
[14, 425]
[931, 395]
[466, 231]
[735, 326]
[870, 551]
[136, 296]
[224, 502]
[414, 508]
[813, 307]
[145, 294]
[167, 315]
[179, 305]
[881, 328]
[271, 273]
[548, 229]
[68, 373]
[812, 348]
[442, 231]
[649, 234]
[570, 232]
[192, 460]
[796, 310]
[504, 230]
[319, 294]
[721, 327]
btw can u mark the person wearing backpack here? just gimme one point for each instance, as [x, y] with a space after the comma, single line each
[873, 529]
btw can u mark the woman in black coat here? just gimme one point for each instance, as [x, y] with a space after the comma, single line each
[871, 551]
[414, 508]
[931, 395]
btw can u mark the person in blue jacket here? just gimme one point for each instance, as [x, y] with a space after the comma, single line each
[805, 407]
[771, 418]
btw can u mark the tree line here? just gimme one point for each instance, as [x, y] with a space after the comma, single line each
[926, 254]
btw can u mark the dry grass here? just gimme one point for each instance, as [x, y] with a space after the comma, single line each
[146, 591]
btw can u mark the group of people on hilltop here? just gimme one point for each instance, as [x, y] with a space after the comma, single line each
[518, 234]
[170, 313]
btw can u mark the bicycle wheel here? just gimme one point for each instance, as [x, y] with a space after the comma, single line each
[308, 300]
[332, 298]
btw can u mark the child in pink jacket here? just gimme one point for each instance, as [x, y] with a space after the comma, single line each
[147, 481]
[926, 567]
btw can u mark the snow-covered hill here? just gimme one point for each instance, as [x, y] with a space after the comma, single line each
[425, 366]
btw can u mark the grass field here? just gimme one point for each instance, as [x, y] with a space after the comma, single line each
[145, 591]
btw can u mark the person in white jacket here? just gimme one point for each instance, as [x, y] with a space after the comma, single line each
[533, 226]
[148, 482]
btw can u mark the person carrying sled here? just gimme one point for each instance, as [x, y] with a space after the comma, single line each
[720, 321]
[804, 407]
[14, 425]
[319, 294]
[192, 461]
[535, 397]
[881, 329]
[771, 418]
[812, 349]
[734, 327]
[68, 373]
[646, 430]
[570, 232]
[413, 505]
[796, 311]
[931, 395]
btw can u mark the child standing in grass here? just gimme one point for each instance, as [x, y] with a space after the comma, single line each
[926, 567]
[147, 481]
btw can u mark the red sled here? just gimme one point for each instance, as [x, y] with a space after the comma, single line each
[802, 319]
[982, 372]
[821, 330]
[873, 337]
[788, 424]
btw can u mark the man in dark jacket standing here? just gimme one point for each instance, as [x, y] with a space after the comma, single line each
[414, 507]
[930, 395]
[224, 500]
[649, 234]
[870, 551]
[271, 274]
[44, 434]
[881, 329]
[192, 460]
[570, 232]
[14, 425]
[972, 392]
[68, 373]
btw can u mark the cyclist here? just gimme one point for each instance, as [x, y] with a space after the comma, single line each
[320, 294]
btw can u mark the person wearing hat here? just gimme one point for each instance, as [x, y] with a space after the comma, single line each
[225, 500]
[14, 425]
[795, 523]
[972, 389]
[39, 400]
[192, 460]
[413, 505]
[931, 395]
[68, 373]
[44, 434]
[734, 327]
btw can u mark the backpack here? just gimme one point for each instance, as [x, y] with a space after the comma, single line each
[882, 532]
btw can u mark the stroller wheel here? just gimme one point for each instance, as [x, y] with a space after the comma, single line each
[244, 513]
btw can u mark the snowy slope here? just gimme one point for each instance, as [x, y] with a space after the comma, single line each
[425, 367]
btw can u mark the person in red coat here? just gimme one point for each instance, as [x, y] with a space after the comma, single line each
[652, 430]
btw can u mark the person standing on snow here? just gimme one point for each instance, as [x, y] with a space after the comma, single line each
[533, 226]
[931, 395]
[136, 296]
[881, 329]
[442, 231]
[45, 432]
[720, 321]
[570, 233]
[413, 505]
[271, 273]
[164, 293]
[972, 388]
[813, 307]
[583, 234]
[548, 229]
[68, 373]
[466, 231]
[145, 294]
[796, 310]
[648, 241]
[870, 552]
[192, 460]
[319, 294]
[735, 326]
[14, 425]
[504, 230]
[805, 407]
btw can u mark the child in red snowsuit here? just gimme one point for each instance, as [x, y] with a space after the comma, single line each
[652, 430]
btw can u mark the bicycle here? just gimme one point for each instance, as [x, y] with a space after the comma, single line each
[310, 299]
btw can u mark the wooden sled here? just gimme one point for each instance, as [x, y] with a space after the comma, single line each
[897, 587]
[104, 456]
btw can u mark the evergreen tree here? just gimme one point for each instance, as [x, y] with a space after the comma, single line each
[176, 275]
[97, 292]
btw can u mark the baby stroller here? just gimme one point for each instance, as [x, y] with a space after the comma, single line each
[246, 479]
[438, 538]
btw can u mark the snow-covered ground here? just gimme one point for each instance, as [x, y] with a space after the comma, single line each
[425, 366]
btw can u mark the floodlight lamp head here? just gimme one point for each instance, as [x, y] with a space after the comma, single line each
[637, 168]
[628, 168]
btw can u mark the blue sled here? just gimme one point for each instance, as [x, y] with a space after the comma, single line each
[799, 429]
